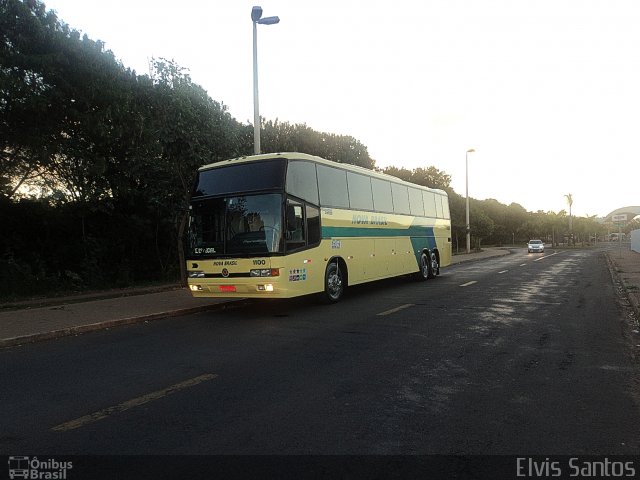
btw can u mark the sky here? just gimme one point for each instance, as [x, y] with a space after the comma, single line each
[547, 92]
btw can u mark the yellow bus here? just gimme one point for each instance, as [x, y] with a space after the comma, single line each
[289, 224]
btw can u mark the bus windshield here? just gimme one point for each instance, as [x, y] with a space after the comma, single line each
[242, 177]
[239, 225]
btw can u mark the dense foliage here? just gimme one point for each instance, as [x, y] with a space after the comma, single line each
[96, 161]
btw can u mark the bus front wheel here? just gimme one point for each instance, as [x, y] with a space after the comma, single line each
[423, 273]
[333, 282]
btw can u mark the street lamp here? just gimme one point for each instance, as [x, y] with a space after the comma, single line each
[466, 161]
[256, 14]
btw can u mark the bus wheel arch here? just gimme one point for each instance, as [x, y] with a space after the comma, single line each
[336, 279]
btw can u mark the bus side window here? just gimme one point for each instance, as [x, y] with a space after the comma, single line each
[295, 226]
[313, 225]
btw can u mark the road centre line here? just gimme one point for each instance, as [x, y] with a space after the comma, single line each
[136, 402]
[529, 302]
[523, 264]
[545, 256]
[469, 283]
[504, 271]
[394, 310]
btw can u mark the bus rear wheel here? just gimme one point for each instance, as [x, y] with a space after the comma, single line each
[429, 266]
[333, 283]
[434, 265]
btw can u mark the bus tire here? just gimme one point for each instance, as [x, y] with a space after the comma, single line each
[334, 282]
[423, 272]
[434, 265]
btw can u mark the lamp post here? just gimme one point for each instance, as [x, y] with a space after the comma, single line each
[466, 161]
[256, 14]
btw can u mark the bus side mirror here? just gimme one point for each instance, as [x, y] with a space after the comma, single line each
[291, 218]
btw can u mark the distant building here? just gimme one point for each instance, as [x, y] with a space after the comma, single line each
[635, 241]
[631, 212]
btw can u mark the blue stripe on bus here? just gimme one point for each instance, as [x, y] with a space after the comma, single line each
[412, 231]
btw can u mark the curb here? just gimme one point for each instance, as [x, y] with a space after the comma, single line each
[618, 281]
[501, 253]
[86, 297]
[80, 329]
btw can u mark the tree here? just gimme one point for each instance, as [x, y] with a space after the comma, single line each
[286, 137]
[401, 173]
[515, 216]
[429, 177]
[569, 199]
[482, 226]
[193, 130]
[26, 39]
[586, 228]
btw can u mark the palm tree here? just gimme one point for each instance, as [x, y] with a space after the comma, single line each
[569, 199]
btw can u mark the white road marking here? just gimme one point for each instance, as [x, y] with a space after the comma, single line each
[504, 271]
[397, 309]
[468, 283]
[545, 256]
[529, 302]
[136, 402]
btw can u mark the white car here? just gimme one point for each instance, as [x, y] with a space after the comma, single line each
[535, 246]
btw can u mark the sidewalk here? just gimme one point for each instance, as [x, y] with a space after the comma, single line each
[42, 323]
[57, 317]
[626, 268]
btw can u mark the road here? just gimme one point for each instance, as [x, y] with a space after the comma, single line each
[523, 354]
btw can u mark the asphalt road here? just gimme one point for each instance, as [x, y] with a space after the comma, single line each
[523, 354]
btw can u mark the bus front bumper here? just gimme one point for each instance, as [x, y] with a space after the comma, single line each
[268, 288]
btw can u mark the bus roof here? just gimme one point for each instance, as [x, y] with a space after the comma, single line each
[313, 158]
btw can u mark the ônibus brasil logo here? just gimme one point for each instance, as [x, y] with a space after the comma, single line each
[32, 468]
